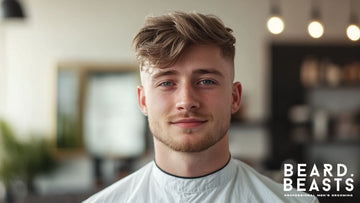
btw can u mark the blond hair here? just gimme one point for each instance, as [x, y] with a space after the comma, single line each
[163, 39]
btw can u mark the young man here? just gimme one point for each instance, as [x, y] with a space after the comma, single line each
[188, 94]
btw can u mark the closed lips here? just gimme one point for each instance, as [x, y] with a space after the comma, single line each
[188, 123]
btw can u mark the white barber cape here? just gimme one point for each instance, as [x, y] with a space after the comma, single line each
[236, 182]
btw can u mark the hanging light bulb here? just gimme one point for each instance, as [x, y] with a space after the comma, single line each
[315, 27]
[353, 30]
[275, 23]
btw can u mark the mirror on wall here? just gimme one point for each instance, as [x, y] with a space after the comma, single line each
[97, 110]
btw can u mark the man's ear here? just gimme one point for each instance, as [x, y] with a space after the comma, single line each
[141, 99]
[236, 97]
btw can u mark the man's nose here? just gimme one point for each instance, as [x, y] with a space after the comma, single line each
[187, 98]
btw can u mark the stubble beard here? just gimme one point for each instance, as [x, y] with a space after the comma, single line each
[208, 140]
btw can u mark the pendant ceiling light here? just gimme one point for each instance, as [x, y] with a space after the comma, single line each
[11, 9]
[275, 23]
[315, 27]
[353, 30]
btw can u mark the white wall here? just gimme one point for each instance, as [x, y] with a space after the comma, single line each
[2, 71]
[102, 30]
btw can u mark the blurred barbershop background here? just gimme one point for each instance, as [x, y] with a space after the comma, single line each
[70, 124]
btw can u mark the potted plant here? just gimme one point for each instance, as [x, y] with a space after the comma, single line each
[22, 160]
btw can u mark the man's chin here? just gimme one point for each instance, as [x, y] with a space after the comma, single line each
[188, 143]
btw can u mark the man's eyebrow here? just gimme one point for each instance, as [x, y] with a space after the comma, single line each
[164, 73]
[208, 71]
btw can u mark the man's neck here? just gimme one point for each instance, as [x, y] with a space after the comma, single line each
[192, 164]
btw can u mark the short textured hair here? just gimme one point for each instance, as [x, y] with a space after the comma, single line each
[162, 39]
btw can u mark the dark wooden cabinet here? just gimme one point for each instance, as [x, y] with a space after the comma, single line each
[332, 94]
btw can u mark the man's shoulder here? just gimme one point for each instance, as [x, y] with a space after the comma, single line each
[119, 189]
[261, 187]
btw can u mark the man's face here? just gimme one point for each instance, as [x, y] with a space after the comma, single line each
[189, 104]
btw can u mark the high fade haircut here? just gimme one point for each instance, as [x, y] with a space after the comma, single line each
[163, 39]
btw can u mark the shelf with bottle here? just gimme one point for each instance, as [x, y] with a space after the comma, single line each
[321, 125]
[324, 73]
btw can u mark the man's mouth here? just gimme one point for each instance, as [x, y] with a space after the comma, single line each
[188, 122]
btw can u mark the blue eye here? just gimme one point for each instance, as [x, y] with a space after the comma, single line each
[207, 82]
[166, 84]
